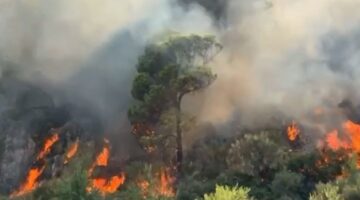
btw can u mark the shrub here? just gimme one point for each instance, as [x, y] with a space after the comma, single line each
[326, 192]
[229, 193]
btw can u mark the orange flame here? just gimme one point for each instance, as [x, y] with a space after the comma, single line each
[350, 141]
[334, 142]
[71, 151]
[102, 158]
[105, 185]
[47, 146]
[353, 131]
[162, 187]
[293, 131]
[30, 183]
[351, 138]
[35, 172]
[108, 185]
[166, 182]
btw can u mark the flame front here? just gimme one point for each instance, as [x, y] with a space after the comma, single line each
[353, 131]
[47, 146]
[293, 131]
[71, 151]
[350, 140]
[334, 142]
[30, 182]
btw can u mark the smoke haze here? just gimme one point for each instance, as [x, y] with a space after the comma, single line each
[285, 58]
[280, 58]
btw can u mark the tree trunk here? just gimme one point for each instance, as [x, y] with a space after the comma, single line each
[179, 147]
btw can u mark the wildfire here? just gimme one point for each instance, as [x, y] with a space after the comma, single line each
[293, 131]
[102, 158]
[166, 182]
[353, 131]
[350, 140]
[334, 142]
[30, 182]
[71, 151]
[49, 142]
[108, 185]
[163, 186]
[105, 185]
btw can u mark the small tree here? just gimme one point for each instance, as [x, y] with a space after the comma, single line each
[167, 71]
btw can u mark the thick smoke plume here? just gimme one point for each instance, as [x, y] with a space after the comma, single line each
[85, 52]
[285, 58]
[73, 61]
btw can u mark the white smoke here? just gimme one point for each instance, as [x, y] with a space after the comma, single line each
[285, 56]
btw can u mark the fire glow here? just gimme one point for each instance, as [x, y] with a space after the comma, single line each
[293, 131]
[166, 182]
[350, 140]
[108, 185]
[102, 184]
[71, 151]
[31, 181]
[47, 146]
[163, 186]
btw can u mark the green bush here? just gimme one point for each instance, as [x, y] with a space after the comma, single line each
[229, 193]
[326, 192]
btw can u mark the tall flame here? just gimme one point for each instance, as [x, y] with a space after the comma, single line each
[166, 182]
[353, 131]
[293, 131]
[102, 158]
[71, 151]
[49, 142]
[30, 182]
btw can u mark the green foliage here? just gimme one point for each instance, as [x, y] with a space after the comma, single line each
[168, 70]
[171, 68]
[350, 186]
[287, 185]
[228, 193]
[326, 192]
[207, 156]
[313, 166]
[256, 154]
[71, 188]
